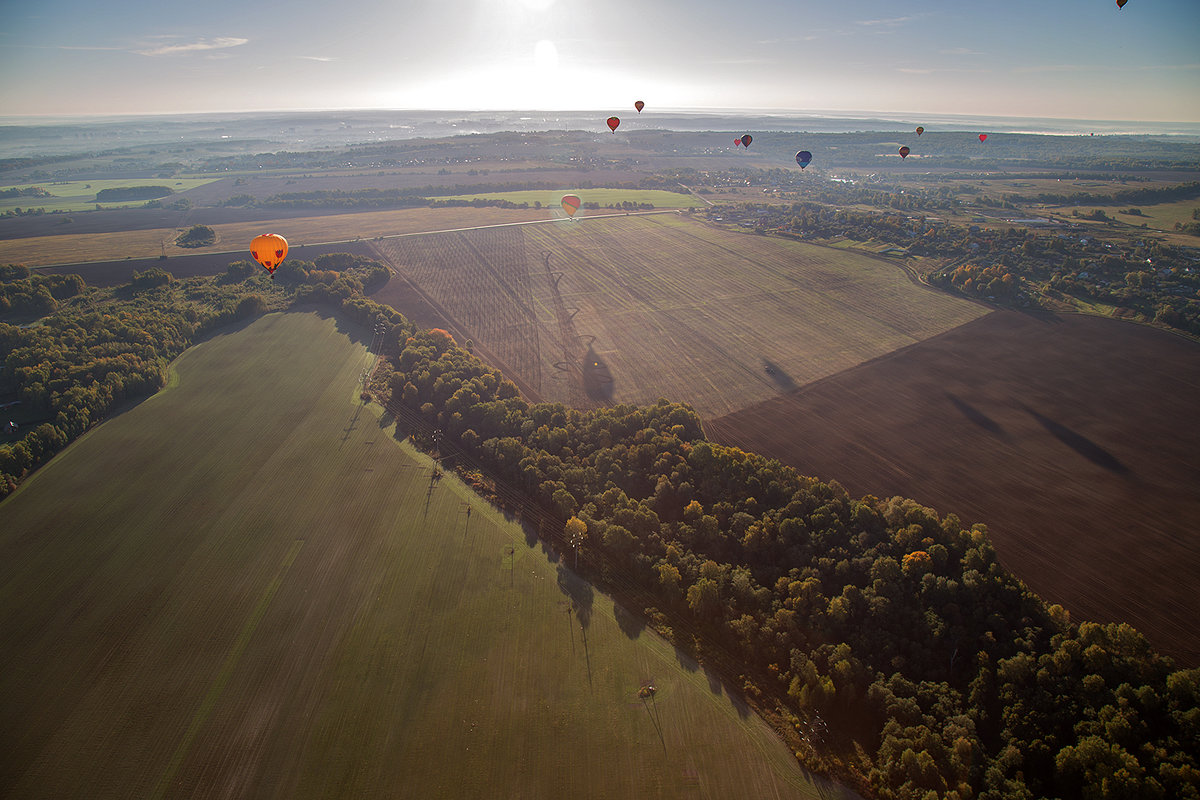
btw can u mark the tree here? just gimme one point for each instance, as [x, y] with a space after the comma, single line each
[197, 236]
[576, 532]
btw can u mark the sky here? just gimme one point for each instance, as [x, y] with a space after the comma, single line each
[1083, 59]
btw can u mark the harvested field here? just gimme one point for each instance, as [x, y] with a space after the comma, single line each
[69, 248]
[245, 586]
[1073, 438]
[633, 308]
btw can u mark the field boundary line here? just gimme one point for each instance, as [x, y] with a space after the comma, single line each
[223, 676]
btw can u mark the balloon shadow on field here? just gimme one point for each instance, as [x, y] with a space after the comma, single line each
[975, 415]
[1079, 443]
[781, 379]
[598, 382]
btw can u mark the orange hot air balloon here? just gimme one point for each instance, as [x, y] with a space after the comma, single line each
[920, 130]
[904, 151]
[613, 122]
[983, 137]
[571, 204]
[639, 105]
[269, 249]
[746, 140]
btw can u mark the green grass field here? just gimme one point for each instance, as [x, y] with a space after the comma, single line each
[81, 195]
[662, 306]
[553, 198]
[245, 586]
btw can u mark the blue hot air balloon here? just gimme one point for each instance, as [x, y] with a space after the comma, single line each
[803, 158]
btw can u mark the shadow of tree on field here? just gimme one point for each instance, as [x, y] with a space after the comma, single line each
[630, 625]
[1079, 443]
[975, 415]
[580, 593]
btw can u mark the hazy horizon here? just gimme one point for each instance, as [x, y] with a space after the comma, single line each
[1083, 59]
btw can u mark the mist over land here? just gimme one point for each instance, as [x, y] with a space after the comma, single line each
[308, 130]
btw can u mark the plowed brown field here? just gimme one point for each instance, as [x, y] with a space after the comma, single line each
[1073, 438]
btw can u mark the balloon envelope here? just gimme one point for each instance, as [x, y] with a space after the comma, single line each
[803, 158]
[746, 140]
[639, 105]
[737, 142]
[983, 137]
[269, 249]
[904, 152]
[570, 204]
[613, 122]
[920, 130]
[1121, 3]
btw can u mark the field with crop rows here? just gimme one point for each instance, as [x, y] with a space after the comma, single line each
[630, 309]
[245, 586]
[1072, 437]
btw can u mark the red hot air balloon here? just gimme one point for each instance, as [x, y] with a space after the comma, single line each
[639, 105]
[904, 151]
[571, 204]
[613, 122]
[920, 130]
[746, 140]
[737, 142]
[983, 137]
[269, 249]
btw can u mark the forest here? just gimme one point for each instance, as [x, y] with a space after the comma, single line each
[944, 675]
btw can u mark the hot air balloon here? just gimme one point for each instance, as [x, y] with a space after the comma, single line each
[570, 204]
[920, 130]
[904, 152]
[803, 158]
[613, 122]
[737, 142]
[746, 140]
[639, 105]
[983, 137]
[269, 249]
[1121, 3]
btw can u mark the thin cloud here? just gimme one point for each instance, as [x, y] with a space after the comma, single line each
[886, 23]
[219, 43]
[323, 59]
[916, 71]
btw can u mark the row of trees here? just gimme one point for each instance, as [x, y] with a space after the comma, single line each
[944, 675]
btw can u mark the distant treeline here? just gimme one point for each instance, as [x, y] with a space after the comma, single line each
[29, 191]
[132, 193]
[1135, 197]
